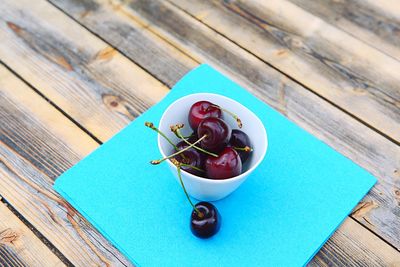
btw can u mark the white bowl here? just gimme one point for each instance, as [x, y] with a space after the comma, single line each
[203, 188]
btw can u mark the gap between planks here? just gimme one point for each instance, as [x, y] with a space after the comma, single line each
[338, 14]
[24, 243]
[42, 187]
[80, 126]
[37, 233]
[122, 52]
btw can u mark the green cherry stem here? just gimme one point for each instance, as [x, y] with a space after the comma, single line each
[199, 213]
[155, 162]
[178, 133]
[187, 137]
[192, 167]
[176, 163]
[154, 128]
[239, 122]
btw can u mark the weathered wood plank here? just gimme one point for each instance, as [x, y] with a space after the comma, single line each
[37, 143]
[356, 247]
[346, 71]
[56, 54]
[9, 258]
[19, 246]
[132, 38]
[342, 132]
[390, 8]
[362, 19]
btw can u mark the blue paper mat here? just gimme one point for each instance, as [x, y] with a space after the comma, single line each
[280, 216]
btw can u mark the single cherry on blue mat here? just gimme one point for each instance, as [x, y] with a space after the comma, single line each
[206, 221]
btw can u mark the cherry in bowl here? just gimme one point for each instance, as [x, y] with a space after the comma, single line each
[201, 110]
[191, 157]
[217, 132]
[240, 141]
[227, 165]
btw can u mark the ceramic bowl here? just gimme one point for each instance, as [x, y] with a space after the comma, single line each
[203, 188]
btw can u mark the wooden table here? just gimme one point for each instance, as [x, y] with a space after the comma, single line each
[73, 73]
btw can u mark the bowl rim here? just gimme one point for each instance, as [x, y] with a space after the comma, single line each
[217, 181]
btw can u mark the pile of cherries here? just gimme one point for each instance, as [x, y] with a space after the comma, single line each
[227, 149]
[212, 151]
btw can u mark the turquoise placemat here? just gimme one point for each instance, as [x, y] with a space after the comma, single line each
[280, 216]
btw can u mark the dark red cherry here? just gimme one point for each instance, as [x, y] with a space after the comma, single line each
[191, 157]
[201, 110]
[226, 165]
[218, 134]
[208, 224]
[240, 139]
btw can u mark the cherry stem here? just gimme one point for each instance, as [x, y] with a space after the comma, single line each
[176, 163]
[192, 167]
[245, 149]
[178, 133]
[155, 162]
[239, 122]
[154, 128]
[199, 213]
[187, 137]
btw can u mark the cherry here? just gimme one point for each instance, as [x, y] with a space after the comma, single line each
[190, 140]
[201, 110]
[226, 165]
[239, 141]
[206, 221]
[217, 134]
[191, 157]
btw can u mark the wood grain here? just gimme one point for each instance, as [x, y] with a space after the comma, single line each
[351, 138]
[19, 246]
[132, 38]
[57, 55]
[37, 144]
[333, 64]
[356, 247]
[370, 21]
[9, 258]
